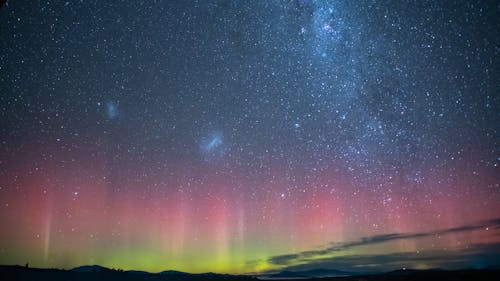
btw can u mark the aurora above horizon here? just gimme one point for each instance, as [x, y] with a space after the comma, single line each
[250, 137]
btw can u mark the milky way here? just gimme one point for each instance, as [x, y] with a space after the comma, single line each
[249, 136]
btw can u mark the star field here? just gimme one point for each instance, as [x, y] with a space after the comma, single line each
[248, 136]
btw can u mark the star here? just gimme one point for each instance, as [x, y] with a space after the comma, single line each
[222, 135]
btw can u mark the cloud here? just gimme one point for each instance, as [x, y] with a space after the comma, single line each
[283, 259]
[477, 256]
[289, 259]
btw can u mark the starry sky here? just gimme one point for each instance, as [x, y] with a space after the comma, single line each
[250, 136]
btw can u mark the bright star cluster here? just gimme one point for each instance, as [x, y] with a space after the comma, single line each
[250, 136]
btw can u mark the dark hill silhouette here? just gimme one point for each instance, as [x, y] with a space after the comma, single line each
[99, 273]
[137, 272]
[411, 271]
[173, 272]
[90, 268]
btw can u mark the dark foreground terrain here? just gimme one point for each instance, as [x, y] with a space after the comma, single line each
[34, 274]
[104, 274]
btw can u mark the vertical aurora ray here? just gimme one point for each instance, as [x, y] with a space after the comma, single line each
[46, 236]
[222, 229]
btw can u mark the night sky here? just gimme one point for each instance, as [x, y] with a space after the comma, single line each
[250, 136]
